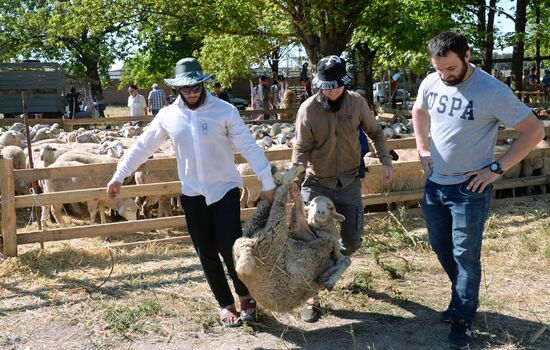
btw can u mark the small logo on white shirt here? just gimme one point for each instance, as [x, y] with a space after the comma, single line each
[203, 127]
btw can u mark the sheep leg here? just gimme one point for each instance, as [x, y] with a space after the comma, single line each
[330, 276]
[45, 215]
[102, 214]
[56, 211]
[299, 226]
[92, 208]
[164, 207]
[278, 215]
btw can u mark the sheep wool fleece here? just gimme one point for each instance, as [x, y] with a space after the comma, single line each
[464, 122]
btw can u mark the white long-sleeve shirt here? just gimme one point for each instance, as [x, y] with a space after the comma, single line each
[137, 105]
[202, 140]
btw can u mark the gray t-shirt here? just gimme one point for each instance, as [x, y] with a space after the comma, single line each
[464, 122]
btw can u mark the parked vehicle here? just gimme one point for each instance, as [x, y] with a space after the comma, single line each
[382, 96]
[238, 102]
[44, 83]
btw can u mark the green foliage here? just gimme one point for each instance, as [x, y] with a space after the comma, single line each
[156, 60]
[399, 30]
[128, 320]
[361, 283]
[86, 36]
[385, 238]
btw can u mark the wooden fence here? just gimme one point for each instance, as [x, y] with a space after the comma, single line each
[10, 202]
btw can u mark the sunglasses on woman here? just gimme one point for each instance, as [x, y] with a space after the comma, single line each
[194, 89]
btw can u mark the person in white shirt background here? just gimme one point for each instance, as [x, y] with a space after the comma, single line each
[136, 102]
[203, 129]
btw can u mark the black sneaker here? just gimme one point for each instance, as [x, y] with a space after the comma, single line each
[447, 315]
[460, 336]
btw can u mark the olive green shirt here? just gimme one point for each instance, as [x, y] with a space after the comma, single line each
[330, 140]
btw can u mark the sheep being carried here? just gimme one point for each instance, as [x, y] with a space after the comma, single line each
[280, 270]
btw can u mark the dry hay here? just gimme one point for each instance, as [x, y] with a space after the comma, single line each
[48, 290]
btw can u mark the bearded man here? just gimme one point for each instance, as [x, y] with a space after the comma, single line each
[456, 117]
[203, 130]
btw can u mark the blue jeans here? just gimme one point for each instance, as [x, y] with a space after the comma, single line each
[348, 203]
[455, 217]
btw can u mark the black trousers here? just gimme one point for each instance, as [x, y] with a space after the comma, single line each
[214, 229]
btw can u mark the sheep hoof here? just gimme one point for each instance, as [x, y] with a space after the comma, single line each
[331, 275]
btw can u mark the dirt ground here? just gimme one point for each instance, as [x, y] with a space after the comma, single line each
[81, 294]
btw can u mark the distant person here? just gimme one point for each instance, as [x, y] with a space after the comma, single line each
[73, 101]
[533, 78]
[136, 103]
[278, 91]
[99, 105]
[262, 99]
[306, 84]
[219, 93]
[393, 93]
[156, 99]
[172, 97]
[545, 82]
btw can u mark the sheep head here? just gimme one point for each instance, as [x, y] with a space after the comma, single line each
[321, 211]
[47, 154]
[128, 209]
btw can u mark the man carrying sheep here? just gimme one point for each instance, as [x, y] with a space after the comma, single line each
[456, 118]
[327, 135]
[203, 129]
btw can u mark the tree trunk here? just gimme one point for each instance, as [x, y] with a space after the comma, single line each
[368, 56]
[537, 37]
[273, 60]
[519, 45]
[92, 75]
[489, 38]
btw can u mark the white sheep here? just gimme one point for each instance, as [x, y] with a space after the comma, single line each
[126, 207]
[19, 162]
[10, 138]
[281, 271]
[251, 194]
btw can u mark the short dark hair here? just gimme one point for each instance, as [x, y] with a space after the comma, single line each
[443, 43]
[133, 86]
[217, 85]
[263, 78]
[280, 78]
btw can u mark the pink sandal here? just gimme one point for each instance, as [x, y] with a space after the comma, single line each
[226, 314]
[248, 310]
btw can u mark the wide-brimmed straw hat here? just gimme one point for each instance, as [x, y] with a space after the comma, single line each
[331, 73]
[188, 72]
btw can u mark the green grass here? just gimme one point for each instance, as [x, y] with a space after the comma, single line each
[126, 320]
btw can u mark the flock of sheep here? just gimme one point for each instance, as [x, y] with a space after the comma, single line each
[55, 147]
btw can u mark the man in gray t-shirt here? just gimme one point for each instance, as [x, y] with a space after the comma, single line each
[456, 117]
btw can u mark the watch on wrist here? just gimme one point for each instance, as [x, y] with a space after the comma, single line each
[496, 168]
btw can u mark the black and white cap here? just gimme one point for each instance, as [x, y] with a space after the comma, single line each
[331, 73]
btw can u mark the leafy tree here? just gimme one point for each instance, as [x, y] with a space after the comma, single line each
[86, 36]
[323, 27]
[394, 32]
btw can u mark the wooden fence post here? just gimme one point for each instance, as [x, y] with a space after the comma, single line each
[7, 190]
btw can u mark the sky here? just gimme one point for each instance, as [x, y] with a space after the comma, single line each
[504, 23]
